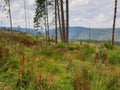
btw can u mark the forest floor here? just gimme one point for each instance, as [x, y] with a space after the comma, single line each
[27, 63]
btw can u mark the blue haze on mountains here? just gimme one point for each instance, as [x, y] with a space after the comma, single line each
[81, 33]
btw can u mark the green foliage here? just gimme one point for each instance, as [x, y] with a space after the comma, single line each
[61, 45]
[112, 84]
[23, 80]
[52, 40]
[108, 45]
[56, 68]
[88, 50]
[102, 53]
[9, 61]
[98, 80]
[46, 53]
[13, 61]
[114, 58]
[72, 47]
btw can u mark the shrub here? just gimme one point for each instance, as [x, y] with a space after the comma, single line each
[14, 62]
[61, 45]
[23, 81]
[47, 53]
[108, 45]
[102, 53]
[112, 84]
[52, 40]
[71, 48]
[74, 47]
[114, 58]
[88, 50]
[9, 61]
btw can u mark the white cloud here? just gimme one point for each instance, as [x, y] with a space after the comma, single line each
[30, 2]
[97, 13]
[76, 3]
[101, 18]
[18, 13]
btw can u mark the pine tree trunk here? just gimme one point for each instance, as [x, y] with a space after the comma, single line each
[25, 15]
[46, 32]
[10, 14]
[59, 18]
[56, 29]
[63, 23]
[114, 21]
[48, 25]
[67, 21]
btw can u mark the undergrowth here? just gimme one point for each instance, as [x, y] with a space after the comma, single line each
[27, 63]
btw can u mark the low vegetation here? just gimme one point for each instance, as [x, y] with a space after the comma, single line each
[27, 63]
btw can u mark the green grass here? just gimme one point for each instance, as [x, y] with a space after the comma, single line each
[29, 66]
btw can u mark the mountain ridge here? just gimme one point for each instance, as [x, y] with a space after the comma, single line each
[79, 32]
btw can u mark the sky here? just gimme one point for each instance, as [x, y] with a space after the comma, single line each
[86, 13]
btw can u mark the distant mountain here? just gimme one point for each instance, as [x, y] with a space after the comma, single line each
[81, 33]
[93, 33]
[28, 30]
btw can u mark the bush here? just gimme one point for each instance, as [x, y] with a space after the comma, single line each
[114, 58]
[23, 81]
[71, 48]
[46, 53]
[112, 84]
[61, 45]
[102, 53]
[9, 61]
[108, 45]
[89, 50]
[52, 40]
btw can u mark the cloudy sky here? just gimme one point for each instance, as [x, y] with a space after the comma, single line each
[87, 13]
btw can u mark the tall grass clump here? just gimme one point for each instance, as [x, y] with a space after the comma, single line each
[7, 60]
[73, 47]
[108, 45]
[61, 45]
[114, 58]
[88, 50]
[103, 55]
[113, 83]
[82, 80]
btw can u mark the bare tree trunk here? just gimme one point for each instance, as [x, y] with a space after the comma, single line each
[10, 14]
[48, 24]
[46, 32]
[63, 23]
[28, 18]
[114, 21]
[59, 18]
[67, 21]
[56, 29]
[25, 15]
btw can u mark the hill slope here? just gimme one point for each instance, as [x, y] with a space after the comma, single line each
[27, 63]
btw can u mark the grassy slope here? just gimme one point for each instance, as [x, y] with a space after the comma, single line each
[26, 63]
